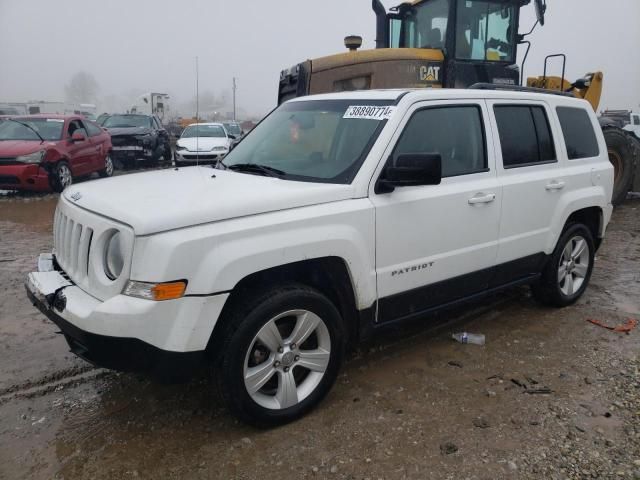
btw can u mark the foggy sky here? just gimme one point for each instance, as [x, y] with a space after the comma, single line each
[150, 45]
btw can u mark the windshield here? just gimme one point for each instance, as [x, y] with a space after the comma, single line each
[486, 31]
[210, 131]
[421, 26]
[313, 141]
[48, 128]
[233, 128]
[124, 121]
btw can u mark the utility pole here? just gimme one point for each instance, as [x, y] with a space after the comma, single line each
[235, 87]
[197, 92]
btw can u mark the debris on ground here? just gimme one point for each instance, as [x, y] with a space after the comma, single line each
[625, 328]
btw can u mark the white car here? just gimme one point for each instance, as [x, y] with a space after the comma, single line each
[336, 216]
[202, 143]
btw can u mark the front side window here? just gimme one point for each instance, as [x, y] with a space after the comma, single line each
[312, 140]
[636, 119]
[30, 128]
[525, 135]
[423, 26]
[93, 129]
[486, 31]
[456, 133]
[128, 121]
[578, 133]
[207, 131]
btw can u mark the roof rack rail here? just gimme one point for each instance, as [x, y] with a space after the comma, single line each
[517, 88]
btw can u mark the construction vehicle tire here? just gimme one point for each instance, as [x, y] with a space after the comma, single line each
[621, 155]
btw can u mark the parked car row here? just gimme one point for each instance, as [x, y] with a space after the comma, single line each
[46, 152]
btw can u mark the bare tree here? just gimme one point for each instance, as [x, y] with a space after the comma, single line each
[82, 88]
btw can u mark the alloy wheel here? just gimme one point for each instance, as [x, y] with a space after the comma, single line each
[287, 359]
[108, 166]
[574, 265]
[64, 176]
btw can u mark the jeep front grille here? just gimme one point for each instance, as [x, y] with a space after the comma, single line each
[72, 244]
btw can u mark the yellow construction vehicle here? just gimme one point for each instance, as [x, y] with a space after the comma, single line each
[451, 44]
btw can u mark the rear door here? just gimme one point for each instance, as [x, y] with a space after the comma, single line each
[438, 243]
[532, 181]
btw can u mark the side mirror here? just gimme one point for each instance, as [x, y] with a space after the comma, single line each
[411, 170]
[231, 136]
[541, 8]
[78, 136]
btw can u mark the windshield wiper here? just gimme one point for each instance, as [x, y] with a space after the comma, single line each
[254, 167]
[29, 127]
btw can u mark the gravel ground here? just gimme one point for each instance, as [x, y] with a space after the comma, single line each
[550, 395]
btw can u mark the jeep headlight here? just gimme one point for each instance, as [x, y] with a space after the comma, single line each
[180, 147]
[35, 157]
[113, 256]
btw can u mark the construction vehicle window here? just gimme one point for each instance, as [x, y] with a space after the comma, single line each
[456, 133]
[578, 133]
[486, 31]
[525, 136]
[425, 25]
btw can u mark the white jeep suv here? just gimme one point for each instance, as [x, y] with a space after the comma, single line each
[337, 215]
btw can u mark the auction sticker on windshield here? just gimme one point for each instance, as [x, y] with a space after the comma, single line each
[365, 112]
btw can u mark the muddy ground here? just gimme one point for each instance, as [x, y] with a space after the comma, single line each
[550, 396]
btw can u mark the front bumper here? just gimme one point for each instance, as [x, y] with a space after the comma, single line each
[24, 177]
[131, 153]
[185, 157]
[123, 333]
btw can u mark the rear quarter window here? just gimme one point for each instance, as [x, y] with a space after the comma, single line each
[578, 132]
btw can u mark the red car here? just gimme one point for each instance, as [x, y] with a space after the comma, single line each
[45, 152]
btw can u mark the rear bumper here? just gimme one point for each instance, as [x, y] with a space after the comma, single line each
[24, 177]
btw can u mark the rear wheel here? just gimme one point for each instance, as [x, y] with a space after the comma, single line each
[60, 176]
[567, 274]
[621, 155]
[282, 355]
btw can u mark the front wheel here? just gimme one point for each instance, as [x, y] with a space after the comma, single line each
[107, 171]
[60, 176]
[282, 355]
[569, 269]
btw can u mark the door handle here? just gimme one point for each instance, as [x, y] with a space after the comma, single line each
[482, 198]
[555, 185]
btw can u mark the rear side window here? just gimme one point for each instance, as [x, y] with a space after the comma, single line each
[525, 135]
[456, 133]
[578, 133]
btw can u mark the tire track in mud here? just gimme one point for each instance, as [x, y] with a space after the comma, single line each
[73, 376]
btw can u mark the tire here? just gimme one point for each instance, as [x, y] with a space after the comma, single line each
[60, 176]
[251, 344]
[621, 155]
[108, 167]
[559, 287]
[635, 141]
[167, 157]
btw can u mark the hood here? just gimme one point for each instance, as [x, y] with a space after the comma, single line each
[202, 144]
[152, 202]
[15, 148]
[129, 131]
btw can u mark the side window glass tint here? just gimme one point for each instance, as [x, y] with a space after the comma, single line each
[543, 130]
[578, 133]
[517, 135]
[636, 120]
[456, 133]
[525, 135]
[93, 129]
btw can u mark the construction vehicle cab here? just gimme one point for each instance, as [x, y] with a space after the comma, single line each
[426, 43]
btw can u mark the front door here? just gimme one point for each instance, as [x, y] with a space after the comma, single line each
[81, 154]
[437, 244]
